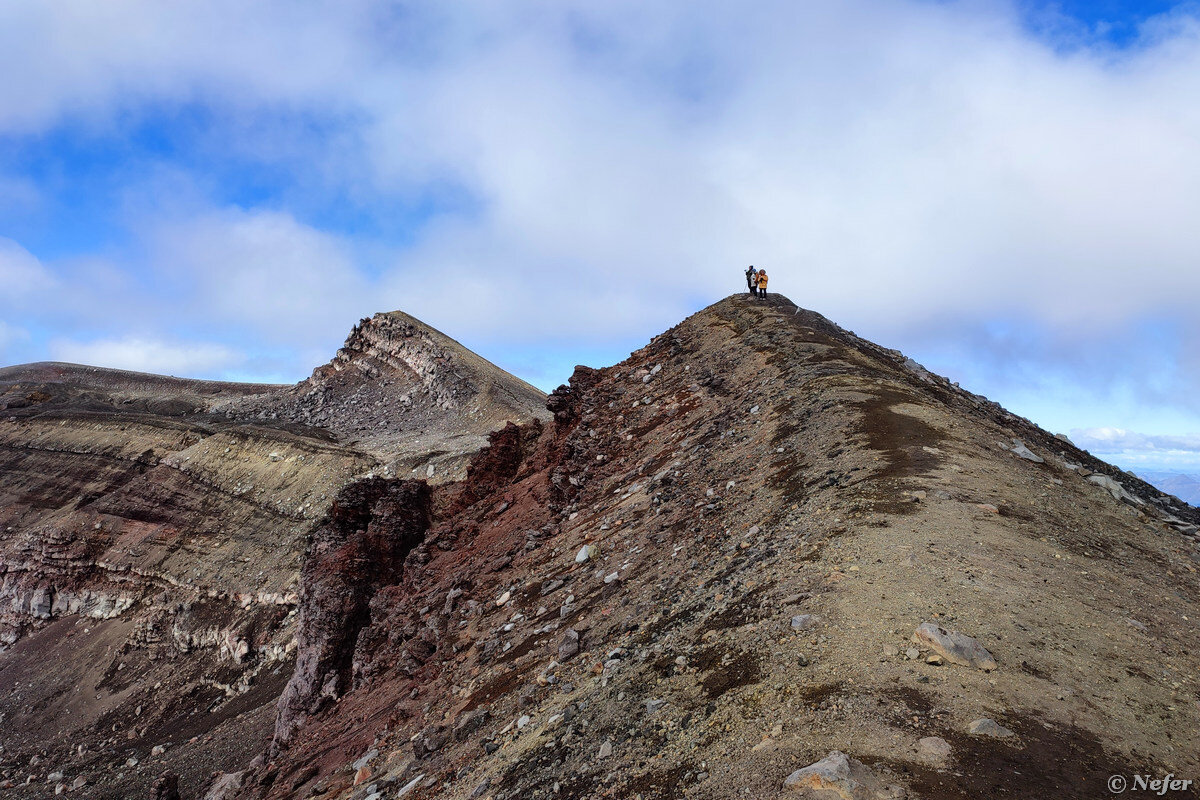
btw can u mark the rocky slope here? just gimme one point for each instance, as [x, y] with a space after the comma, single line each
[760, 557]
[152, 533]
[406, 393]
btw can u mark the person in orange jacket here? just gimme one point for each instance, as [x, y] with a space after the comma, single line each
[762, 283]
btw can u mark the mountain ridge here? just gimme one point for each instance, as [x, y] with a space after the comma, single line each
[698, 572]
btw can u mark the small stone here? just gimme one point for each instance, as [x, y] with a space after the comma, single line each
[934, 750]
[584, 553]
[802, 622]
[606, 750]
[158, 750]
[754, 529]
[988, 507]
[989, 727]
[569, 645]
[362, 775]
[408, 787]
[366, 758]
[654, 706]
[610, 577]
[891, 651]
[503, 599]
[523, 721]
[912, 653]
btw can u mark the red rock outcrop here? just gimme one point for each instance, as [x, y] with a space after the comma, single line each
[361, 546]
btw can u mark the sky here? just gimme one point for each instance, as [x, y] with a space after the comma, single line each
[1005, 190]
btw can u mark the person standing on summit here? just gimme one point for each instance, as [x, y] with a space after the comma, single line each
[762, 283]
[751, 279]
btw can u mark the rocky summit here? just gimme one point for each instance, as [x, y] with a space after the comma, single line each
[761, 557]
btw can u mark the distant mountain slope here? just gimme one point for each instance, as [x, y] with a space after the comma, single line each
[406, 393]
[1185, 487]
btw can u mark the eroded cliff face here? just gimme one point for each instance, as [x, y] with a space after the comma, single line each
[755, 542]
[362, 545]
[152, 534]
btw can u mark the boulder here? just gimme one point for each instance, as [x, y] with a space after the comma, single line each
[989, 727]
[226, 785]
[1019, 449]
[839, 777]
[934, 750]
[955, 647]
[166, 787]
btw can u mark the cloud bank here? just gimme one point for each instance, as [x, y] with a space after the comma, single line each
[1138, 450]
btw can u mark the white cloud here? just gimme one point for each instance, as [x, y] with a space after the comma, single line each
[914, 170]
[21, 273]
[1111, 440]
[148, 355]
[1140, 451]
[264, 272]
[11, 335]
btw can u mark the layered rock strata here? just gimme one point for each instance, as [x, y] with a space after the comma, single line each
[152, 533]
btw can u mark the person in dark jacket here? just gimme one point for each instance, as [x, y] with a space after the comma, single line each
[751, 279]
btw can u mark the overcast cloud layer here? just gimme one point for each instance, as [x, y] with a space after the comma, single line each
[222, 188]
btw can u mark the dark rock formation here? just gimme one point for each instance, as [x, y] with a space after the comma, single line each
[361, 546]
